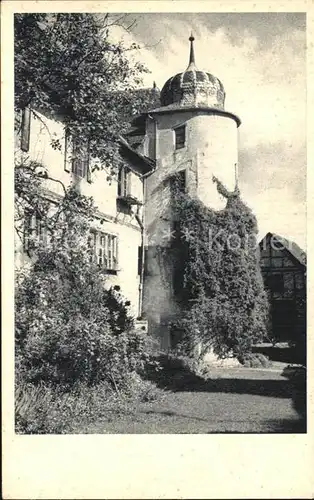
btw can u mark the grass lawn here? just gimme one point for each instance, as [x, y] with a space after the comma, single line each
[233, 400]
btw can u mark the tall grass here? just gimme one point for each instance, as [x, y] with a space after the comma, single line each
[42, 409]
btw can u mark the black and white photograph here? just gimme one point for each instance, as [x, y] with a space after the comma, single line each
[156, 258]
[160, 223]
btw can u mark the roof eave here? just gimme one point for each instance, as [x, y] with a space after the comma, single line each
[136, 157]
[286, 247]
[180, 109]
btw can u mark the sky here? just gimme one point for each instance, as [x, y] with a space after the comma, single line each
[260, 59]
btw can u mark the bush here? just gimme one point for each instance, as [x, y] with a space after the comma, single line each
[254, 360]
[80, 351]
[69, 327]
[297, 375]
[139, 390]
[174, 371]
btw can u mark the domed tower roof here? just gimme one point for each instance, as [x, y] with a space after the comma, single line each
[193, 87]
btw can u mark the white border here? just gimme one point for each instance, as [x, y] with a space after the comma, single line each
[144, 466]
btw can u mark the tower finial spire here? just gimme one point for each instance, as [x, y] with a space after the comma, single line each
[192, 55]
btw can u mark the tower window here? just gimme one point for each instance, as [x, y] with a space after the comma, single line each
[180, 137]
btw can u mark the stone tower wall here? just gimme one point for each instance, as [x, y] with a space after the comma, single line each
[210, 149]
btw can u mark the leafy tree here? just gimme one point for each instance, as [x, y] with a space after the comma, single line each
[218, 279]
[68, 66]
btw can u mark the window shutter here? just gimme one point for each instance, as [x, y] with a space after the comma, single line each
[68, 152]
[26, 128]
[88, 166]
[129, 183]
[119, 182]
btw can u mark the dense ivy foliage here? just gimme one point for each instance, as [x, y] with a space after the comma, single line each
[69, 327]
[217, 277]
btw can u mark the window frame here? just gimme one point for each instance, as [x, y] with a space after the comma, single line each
[179, 144]
[105, 249]
[34, 229]
[80, 158]
[124, 182]
[77, 163]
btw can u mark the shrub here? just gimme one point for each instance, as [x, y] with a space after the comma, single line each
[69, 327]
[174, 372]
[298, 375]
[80, 351]
[298, 343]
[254, 360]
[139, 390]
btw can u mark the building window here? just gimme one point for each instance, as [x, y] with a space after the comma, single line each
[105, 250]
[265, 262]
[124, 182]
[77, 157]
[25, 129]
[34, 233]
[275, 283]
[277, 262]
[80, 159]
[299, 281]
[179, 137]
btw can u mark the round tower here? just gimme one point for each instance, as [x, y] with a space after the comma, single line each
[191, 137]
[193, 131]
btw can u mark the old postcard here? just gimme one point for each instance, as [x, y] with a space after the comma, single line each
[156, 289]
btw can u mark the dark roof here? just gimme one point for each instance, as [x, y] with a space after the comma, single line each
[290, 246]
[192, 81]
[136, 142]
[139, 120]
[136, 158]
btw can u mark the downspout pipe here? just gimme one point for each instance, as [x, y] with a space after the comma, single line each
[141, 223]
[140, 286]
